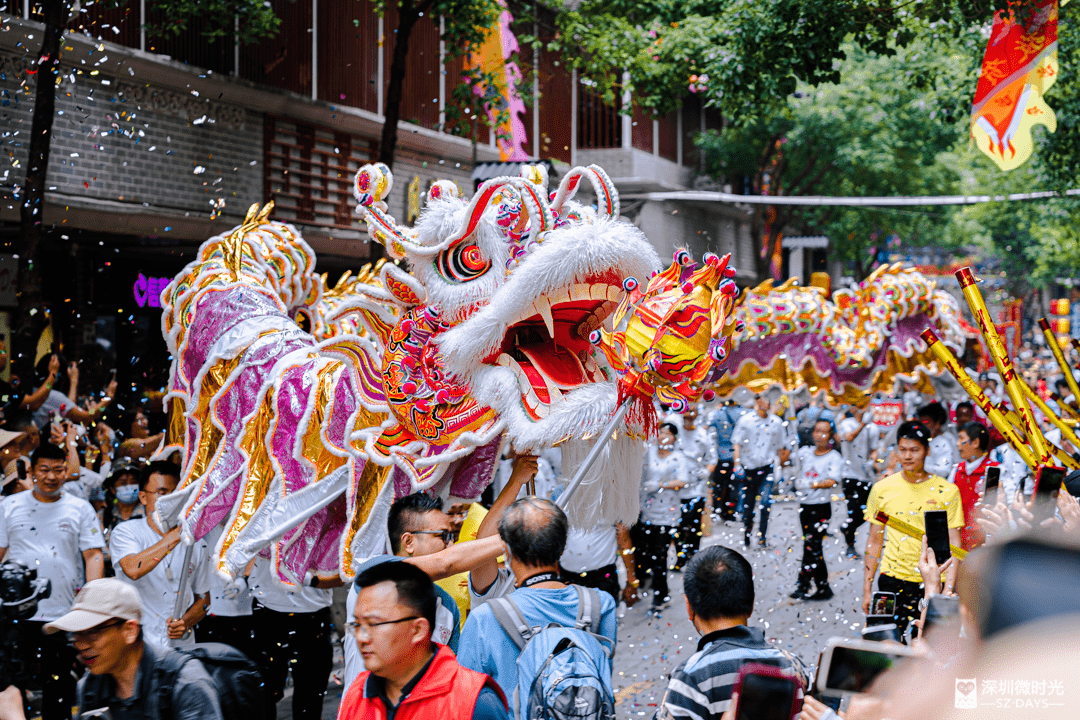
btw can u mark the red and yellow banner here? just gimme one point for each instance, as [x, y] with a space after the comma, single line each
[1019, 66]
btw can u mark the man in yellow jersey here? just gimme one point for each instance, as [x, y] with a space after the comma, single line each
[906, 495]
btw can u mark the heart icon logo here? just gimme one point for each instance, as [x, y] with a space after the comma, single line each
[965, 687]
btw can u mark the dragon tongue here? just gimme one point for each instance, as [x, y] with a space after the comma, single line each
[559, 366]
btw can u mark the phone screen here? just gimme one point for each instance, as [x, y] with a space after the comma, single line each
[1047, 488]
[852, 670]
[937, 534]
[765, 697]
[881, 633]
[990, 491]
[883, 603]
[940, 610]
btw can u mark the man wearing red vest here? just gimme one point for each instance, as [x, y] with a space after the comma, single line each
[969, 477]
[408, 676]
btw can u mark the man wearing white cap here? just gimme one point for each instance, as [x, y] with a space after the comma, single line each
[104, 627]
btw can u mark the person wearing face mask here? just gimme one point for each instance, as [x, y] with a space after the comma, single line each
[122, 486]
[59, 535]
[147, 556]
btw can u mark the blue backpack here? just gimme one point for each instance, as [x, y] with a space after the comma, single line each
[563, 673]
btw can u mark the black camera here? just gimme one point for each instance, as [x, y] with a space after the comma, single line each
[20, 591]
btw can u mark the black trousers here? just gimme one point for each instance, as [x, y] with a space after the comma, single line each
[48, 661]
[299, 642]
[908, 595]
[651, 556]
[688, 538]
[856, 492]
[815, 521]
[605, 579]
[724, 492]
[237, 632]
[755, 478]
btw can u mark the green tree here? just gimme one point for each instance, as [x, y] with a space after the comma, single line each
[881, 130]
[465, 25]
[752, 53]
[250, 18]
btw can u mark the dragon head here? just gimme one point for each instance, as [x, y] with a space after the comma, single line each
[518, 280]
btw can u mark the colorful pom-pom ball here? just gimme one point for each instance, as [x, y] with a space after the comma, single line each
[708, 396]
[630, 284]
[595, 337]
[729, 271]
[442, 395]
[408, 388]
[682, 257]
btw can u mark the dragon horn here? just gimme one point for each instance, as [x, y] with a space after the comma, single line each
[607, 197]
[535, 206]
[372, 184]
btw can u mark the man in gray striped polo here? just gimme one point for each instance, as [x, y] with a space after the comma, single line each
[719, 588]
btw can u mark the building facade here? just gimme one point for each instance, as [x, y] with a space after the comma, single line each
[161, 143]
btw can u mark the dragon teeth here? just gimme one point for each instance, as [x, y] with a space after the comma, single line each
[544, 307]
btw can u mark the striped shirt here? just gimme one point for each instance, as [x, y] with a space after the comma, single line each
[700, 689]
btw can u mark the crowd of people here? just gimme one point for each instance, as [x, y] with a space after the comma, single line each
[484, 610]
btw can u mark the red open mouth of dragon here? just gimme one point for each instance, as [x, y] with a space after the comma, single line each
[548, 348]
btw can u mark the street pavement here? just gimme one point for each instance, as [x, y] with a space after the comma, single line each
[649, 648]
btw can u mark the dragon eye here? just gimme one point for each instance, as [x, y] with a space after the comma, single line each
[462, 263]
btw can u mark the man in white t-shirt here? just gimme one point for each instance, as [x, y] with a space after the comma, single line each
[230, 619]
[858, 441]
[58, 535]
[291, 632]
[755, 442]
[699, 449]
[153, 562]
[589, 560]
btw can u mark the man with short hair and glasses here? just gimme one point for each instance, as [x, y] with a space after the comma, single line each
[104, 628]
[147, 557]
[59, 535]
[420, 534]
[408, 675]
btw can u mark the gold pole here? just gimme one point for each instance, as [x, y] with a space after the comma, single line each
[946, 358]
[1063, 457]
[913, 532]
[1066, 431]
[1003, 364]
[1055, 348]
[1065, 406]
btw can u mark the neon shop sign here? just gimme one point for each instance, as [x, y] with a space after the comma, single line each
[147, 291]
